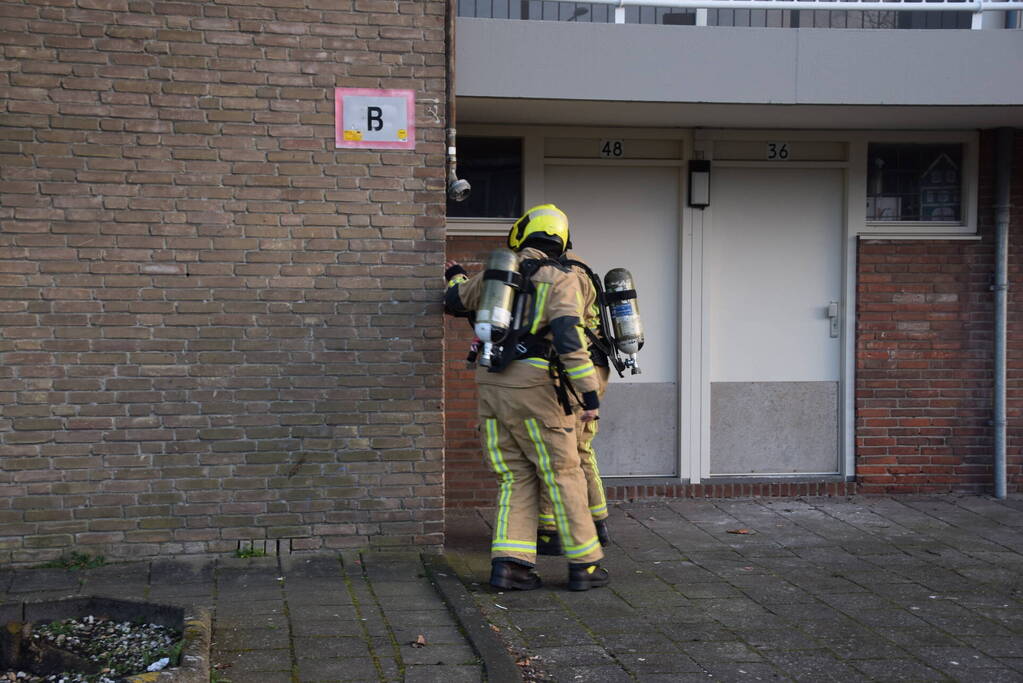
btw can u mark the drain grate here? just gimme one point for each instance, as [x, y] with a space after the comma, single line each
[265, 547]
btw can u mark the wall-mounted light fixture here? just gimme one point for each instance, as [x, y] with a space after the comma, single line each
[699, 183]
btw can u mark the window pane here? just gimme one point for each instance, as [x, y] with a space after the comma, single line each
[908, 182]
[493, 167]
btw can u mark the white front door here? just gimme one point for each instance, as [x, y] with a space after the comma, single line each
[773, 268]
[628, 217]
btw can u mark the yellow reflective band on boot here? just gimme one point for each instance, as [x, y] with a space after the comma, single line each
[507, 479]
[560, 515]
[542, 290]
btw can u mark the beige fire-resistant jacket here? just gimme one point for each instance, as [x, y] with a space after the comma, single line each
[558, 313]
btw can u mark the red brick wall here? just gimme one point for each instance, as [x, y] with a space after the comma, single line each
[468, 480]
[924, 356]
[214, 326]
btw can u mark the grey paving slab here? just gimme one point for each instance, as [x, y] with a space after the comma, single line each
[985, 676]
[252, 638]
[780, 639]
[1000, 647]
[43, 581]
[444, 674]
[337, 668]
[594, 674]
[707, 653]
[437, 635]
[438, 654]
[685, 632]
[898, 670]
[273, 619]
[620, 643]
[642, 664]
[193, 570]
[330, 646]
[813, 665]
[821, 589]
[249, 662]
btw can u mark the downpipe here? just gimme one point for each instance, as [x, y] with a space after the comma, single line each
[1004, 146]
[458, 190]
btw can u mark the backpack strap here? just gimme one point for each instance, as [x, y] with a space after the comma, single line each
[519, 342]
[603, 343]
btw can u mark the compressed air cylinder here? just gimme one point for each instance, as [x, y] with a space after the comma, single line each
[494, 315]
[623, 308]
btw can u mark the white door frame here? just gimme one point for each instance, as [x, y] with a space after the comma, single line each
[704, 146]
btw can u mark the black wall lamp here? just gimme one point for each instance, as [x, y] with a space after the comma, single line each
[699, 183]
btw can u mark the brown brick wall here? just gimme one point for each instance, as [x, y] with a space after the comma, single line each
[924, 355]
[213, 325]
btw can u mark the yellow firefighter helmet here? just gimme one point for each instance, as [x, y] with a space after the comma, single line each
[546, 222]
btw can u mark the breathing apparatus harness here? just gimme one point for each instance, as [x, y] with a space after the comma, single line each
[507, 307]
[601, 342]
[503, 320]
[608, 343]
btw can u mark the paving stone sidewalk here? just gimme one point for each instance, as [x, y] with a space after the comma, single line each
[864, 589]
[294, 619]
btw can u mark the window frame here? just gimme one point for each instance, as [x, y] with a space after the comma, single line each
[485, 220]
[966, 225]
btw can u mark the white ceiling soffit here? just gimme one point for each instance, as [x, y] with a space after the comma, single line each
[493, 110]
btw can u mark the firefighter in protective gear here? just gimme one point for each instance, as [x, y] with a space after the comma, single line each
[548, 540]
[525, 432]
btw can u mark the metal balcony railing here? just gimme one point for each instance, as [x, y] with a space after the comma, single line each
[869, 14]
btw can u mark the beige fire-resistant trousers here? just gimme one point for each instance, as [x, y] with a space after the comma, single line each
[585, 433]
[530, 444]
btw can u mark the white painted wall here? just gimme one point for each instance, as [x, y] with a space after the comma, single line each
[640, 63]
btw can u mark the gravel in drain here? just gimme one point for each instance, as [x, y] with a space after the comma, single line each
[121, 648]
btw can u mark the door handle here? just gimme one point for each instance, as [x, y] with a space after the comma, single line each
[833, 318]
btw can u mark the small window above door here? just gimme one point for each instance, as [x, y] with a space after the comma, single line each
[493, 167]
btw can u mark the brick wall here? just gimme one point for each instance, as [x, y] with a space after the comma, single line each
[924, 355]
[213, 326]
[468, 480]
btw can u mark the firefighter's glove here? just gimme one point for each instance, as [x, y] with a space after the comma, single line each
[453, 270]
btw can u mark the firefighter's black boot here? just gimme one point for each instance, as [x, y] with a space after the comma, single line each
[582, 577]
[547, 542]
[602, 535]
[512, 575]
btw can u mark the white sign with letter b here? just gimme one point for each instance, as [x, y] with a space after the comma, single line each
[367, 118]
